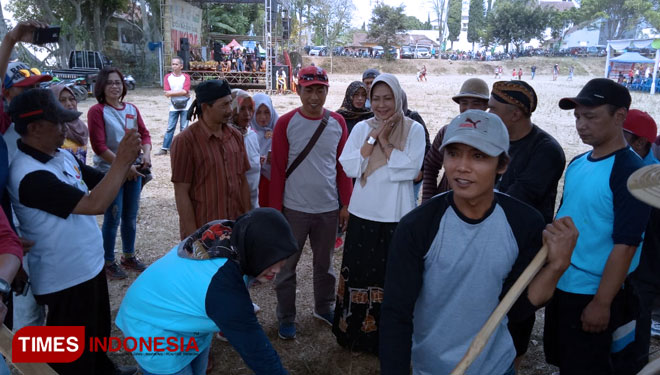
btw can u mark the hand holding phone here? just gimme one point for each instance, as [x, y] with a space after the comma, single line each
[50, 34]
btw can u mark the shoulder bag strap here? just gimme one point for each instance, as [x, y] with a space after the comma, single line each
[310, 144]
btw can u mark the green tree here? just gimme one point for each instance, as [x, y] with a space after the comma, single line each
[618, 16]
[385, 23]
[427, 24]
[413, 23]
[486, 37]
[454, 20]
[477, 21]
[439, 10]
[83, 22]
[233, 18]
[518, 21]
[560, 22]
[331, 20]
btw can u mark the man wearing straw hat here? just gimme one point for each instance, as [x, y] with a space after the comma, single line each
[587, 326]
[452, 259]
[473, 94]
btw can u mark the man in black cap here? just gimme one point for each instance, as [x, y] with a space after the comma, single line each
[49, 189]
[209, 162]
[587, 326]
[537, 163]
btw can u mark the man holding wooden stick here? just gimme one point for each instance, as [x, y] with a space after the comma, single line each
[592, 306]
[454, 257]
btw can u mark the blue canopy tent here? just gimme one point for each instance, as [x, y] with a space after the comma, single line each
[633, 57]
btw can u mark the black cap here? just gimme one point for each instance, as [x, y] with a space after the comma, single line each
[211, 90]
[370, 73]
[597, 92]
[38, 104]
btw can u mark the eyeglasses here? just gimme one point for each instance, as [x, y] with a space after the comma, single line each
[314, 77]
[115, 83]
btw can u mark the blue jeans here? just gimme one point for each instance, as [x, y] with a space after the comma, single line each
[171, 126]
[4, 369]
[196, 367]
[123, 209]
[239, 65]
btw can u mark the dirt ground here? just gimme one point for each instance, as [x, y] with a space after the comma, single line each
[315, 350]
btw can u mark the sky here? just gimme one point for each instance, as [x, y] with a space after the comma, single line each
[417, 8]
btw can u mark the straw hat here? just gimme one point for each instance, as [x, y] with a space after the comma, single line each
[644, 185]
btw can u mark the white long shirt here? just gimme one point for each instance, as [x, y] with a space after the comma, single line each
[388, 193]
[252, 148]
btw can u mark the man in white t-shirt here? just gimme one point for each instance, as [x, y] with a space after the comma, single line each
[56, 200]
[177, 89]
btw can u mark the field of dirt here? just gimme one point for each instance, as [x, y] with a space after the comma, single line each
[315, 350]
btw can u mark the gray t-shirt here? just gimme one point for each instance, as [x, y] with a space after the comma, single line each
[312, 187]
[446, 273]
[482, 254]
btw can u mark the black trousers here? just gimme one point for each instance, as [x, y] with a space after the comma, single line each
[86, 304]
[577, 352]
[649, 300]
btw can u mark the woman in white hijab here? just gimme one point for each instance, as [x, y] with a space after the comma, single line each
[384, 154]
[263, 123]
[242, 106]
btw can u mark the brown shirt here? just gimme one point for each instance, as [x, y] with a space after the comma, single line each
[432, 166]
[215, 167]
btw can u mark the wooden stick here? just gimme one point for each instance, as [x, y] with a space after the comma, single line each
[479, 342]
[653, 368]
[6, 337]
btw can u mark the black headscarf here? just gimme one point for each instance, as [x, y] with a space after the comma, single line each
[256, 240]
[348, 110]
[351, 114]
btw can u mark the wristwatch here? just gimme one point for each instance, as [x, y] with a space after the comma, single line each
[5, 289]
[371, 140]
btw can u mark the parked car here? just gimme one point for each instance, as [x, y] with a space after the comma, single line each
[318, 51]
[596, 51]
[83, 67]
[407, 52]
[422, 53]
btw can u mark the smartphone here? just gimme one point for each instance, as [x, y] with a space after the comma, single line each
[51, 34]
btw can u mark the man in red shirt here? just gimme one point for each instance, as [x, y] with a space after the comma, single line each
[309, 194]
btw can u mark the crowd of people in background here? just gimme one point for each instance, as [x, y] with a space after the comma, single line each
[416, 282]
[241, 60]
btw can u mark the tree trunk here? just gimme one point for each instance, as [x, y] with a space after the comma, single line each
[98, 30]
[441, 24]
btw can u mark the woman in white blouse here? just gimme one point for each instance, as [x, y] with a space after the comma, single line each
[384, 154]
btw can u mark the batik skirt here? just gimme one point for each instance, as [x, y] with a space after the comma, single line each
[361, 282]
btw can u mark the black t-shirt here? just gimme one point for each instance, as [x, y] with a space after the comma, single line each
[537, 163]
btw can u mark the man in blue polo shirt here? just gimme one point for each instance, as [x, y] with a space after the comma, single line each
[589, 304]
